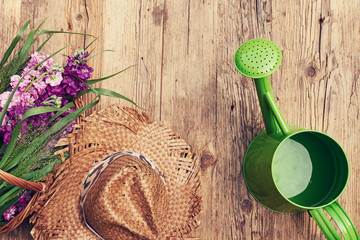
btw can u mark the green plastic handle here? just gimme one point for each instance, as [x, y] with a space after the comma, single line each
[273, 119]
[341, 219]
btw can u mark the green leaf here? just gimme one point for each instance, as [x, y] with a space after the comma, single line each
[13, 44]
[11, 200]
[8, 194]
[106, 50]
[109, 93]
[16, 62]
[90, 82]
[40, 173]
[43, 44]
[27, 47]
[15, 133]
[74, 33]
[59, 112]
[91, 42]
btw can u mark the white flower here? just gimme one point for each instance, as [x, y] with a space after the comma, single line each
[54, 79]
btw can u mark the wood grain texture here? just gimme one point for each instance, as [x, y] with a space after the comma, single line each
[184, 75]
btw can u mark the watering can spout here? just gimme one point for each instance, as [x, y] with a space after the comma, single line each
[257, 59]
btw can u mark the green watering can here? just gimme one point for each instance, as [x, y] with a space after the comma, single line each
[289, 169]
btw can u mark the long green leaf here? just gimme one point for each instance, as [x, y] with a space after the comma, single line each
[15, 133]
[27, 47]
[40, 25]
[13, 44]
[91, 42]
[91, 82]
[58, 113]
[106, 50]
[39, 174]
[16, 62]
[51, 31]
[43, 44]
[109, 93]
[7, 194]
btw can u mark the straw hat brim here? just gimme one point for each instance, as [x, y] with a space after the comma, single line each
[57, 214]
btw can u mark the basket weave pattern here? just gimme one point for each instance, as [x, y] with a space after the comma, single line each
[113, 130]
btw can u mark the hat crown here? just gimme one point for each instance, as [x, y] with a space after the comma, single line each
[127, 198]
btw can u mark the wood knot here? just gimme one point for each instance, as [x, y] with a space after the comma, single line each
[207, 160]
[310, 72]
[246, 206]
[159, 14]
[79, 17]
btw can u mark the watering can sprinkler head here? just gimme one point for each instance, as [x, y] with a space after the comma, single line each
[258, 58]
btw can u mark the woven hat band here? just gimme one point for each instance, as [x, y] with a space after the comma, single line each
[108, 196]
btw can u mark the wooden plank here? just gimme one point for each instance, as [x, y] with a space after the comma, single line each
[189, 92]
[184, 75]
[11, 23]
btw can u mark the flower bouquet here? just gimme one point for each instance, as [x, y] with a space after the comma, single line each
[37, 108]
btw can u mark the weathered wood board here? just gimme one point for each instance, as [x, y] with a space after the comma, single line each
[184, 75]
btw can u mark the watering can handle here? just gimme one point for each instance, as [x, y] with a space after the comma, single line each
[341, 219]
[273, 119]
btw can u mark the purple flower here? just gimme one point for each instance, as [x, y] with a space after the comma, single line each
[20, 205]
[9, 214]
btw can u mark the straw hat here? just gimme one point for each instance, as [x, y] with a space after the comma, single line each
[127, 177]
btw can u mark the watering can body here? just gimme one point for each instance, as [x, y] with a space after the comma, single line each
[303, 171]
[258, 176]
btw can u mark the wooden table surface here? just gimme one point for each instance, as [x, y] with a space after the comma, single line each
[184, 75]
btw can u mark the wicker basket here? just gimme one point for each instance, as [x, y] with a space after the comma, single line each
[37, 187]
[34, 186]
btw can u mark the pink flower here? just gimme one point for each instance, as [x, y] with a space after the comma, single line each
[37, 57]
[6, 119]
[14, 80]
[24, 82]
[21, 98]
[40, 85]
[3, 98]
